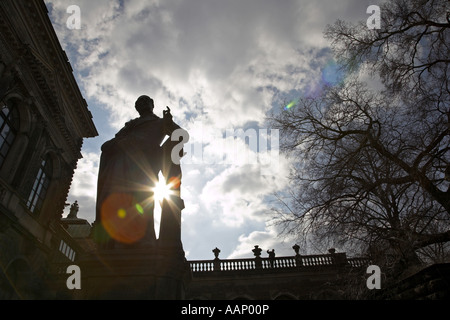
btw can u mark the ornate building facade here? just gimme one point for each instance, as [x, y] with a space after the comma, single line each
[43, 121]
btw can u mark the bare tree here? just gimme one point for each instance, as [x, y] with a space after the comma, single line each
[374, 166]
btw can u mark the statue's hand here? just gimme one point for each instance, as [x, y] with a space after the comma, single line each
[167, 113]
[167, 117]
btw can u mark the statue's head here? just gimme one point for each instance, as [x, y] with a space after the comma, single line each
[144, 105]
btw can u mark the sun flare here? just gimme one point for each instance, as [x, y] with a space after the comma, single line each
[161, 190]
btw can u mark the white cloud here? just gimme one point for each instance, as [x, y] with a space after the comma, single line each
[84, 186]
[269, 239]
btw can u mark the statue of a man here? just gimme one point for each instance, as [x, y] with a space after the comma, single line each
[129, 168]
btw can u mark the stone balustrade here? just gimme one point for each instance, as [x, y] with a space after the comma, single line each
[275, 263]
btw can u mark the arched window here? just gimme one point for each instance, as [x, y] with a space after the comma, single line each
[40, 185]
[9, 125]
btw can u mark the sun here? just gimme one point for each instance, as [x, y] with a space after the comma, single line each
[161, 190]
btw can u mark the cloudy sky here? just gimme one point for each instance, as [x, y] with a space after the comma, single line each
[220, 65]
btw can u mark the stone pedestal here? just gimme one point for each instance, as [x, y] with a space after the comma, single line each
[134, 273]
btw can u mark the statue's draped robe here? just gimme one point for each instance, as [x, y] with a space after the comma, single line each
[129, 167]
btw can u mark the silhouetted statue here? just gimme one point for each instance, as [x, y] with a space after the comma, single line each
[74, 208]
[129, 168]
